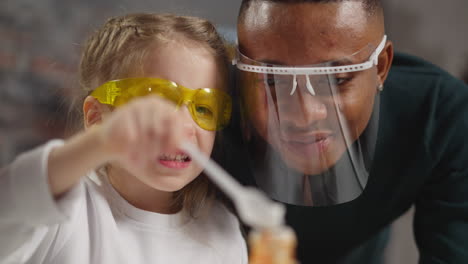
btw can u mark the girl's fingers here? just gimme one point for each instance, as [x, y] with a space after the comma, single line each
[177, 133]
[142, 130]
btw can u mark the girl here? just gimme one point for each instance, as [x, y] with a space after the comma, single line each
[122, 191]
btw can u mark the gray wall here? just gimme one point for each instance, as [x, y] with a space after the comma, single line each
[435, 30]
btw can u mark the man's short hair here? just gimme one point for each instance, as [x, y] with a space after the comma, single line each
[371, 5]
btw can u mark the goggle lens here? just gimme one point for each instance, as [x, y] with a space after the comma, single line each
[209, 108]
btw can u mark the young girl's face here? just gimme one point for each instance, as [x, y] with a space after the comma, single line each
[193, 67]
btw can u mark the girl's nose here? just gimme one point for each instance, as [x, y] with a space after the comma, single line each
[189, 125]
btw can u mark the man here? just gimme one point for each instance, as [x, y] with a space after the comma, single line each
[346, 134]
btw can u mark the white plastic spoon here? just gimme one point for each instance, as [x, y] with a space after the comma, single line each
[254, 207]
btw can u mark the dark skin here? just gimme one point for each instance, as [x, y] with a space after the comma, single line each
[296, 34]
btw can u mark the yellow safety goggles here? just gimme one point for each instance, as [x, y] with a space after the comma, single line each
[210, 108]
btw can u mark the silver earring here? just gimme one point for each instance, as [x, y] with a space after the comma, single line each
[380, 87]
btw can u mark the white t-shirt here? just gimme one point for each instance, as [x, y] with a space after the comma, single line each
[92, 223]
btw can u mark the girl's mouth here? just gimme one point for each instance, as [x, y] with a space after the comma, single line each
[175, 161]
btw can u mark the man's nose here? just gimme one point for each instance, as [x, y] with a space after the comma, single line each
[302, 110]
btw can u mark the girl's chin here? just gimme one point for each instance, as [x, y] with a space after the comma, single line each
[169, 183]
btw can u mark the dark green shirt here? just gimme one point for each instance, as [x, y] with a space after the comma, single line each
[421, 158]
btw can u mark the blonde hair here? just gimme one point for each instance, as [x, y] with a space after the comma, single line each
[120, 46]
[118, 50]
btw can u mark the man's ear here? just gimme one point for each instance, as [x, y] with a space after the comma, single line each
[93, 111]
[385, 62]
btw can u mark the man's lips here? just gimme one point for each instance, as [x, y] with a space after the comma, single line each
[308, 145]
[309, 138]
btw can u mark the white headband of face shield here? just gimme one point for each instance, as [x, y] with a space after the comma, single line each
[373, 61]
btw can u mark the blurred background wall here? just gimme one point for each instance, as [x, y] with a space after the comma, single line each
[40, 42]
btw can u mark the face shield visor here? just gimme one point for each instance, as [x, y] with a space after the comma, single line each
[311, 130]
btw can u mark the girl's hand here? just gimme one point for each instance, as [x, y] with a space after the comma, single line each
[135, 133]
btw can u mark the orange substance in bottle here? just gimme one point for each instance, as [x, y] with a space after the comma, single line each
[272, 246]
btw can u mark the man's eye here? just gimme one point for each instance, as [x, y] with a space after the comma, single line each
[342, 80]
[279, 81]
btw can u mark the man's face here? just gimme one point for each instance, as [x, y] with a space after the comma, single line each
[308, 130]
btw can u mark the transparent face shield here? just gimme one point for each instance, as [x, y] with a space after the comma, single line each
[311, 130]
